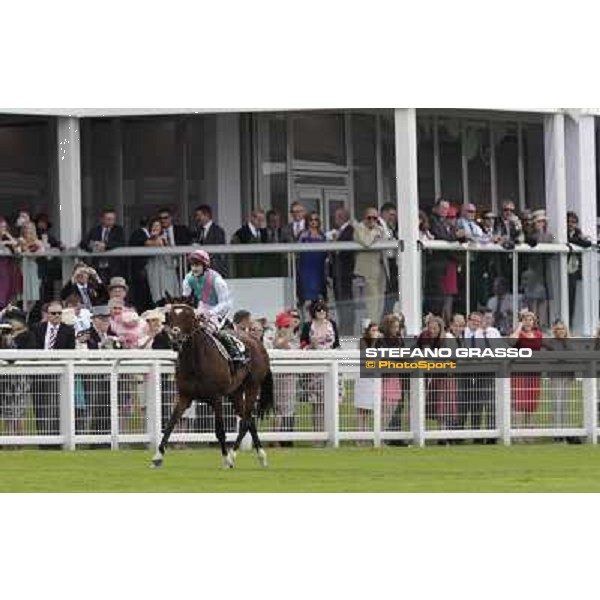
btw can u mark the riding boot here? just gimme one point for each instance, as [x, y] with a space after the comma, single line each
[232, 348]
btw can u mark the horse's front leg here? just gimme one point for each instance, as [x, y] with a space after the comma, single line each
[228, 462]
[182, 405]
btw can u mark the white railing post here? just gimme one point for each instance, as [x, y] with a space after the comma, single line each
[377, 401]
[154, 405]
[67, 406]
[417, 409]
[503, 405]
[590, 402]
[114, 406]
[331, 415]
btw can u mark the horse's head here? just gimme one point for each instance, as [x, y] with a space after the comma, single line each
[181, 320]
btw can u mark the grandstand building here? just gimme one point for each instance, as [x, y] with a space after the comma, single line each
[70, 163]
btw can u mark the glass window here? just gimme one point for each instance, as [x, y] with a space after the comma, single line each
[449, 131]
[364, 150]
[425, 160]
[27, 168]
[477, 151]
[534, 156]
[272, 157]
[319, 138]
[152, 158]
[507, 161]
[388, 159]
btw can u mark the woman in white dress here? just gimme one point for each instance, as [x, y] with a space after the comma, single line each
[161, 270]
[367, 390]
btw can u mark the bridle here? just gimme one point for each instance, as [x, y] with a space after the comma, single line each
[178, 337]
[181, 337]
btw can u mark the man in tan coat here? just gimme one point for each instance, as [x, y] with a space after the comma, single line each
[370, 265]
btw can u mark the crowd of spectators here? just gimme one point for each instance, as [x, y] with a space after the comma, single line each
[345, 279]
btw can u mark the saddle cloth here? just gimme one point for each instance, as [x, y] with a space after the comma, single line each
[221, 348]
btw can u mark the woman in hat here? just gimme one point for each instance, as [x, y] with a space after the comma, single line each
[320, 333]
[157, 338]
[535, 267]
[526, 387]
[15, 393]
[118, 290]
[161, 270]
[10, 276]
[29, 243]
[367, 389]
[285, 401]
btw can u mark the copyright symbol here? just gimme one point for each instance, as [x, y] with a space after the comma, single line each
[370, 365]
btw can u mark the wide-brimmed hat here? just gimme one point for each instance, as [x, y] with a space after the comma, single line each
[115, 302]
[283, 320]
[154, 315]
[15, 314]
[539, 215]
[100, 311]
[118, 282]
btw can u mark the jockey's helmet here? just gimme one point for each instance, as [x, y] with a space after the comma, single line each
[200, 256]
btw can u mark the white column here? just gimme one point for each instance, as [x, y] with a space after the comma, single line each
[556, 201]
[581, 198]
[408, 217]
[229, 188]
[69, 180]
[556, 179]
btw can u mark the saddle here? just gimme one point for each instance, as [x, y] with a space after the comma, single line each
[231, 348]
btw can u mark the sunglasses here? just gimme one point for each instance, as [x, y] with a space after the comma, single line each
[55, 314]
[372, 218]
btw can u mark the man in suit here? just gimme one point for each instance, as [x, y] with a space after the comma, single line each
[85, 284]
[254, 232]
[389, 221]
[207, 233]
[174, 235]
[52, 335]
[141, 297]
[275, 264]
[342, 271]
[106, 236]
[291, 234]
[293, 230]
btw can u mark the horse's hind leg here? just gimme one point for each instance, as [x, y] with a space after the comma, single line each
[228, 461]
[181, 406]
[243, 430]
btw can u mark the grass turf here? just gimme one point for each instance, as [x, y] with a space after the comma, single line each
[531, 468]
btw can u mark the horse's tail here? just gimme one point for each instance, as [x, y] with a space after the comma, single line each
[267, 395]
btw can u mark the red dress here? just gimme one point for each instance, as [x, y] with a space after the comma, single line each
[525, 387]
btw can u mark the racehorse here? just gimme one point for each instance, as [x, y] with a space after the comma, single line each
[204, 374]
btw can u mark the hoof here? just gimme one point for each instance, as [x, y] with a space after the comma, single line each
[157, 461]
[229, 460]
[262, 458]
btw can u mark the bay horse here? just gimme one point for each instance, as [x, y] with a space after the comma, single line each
[204, 374]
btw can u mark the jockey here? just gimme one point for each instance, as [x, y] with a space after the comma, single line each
[212, 299]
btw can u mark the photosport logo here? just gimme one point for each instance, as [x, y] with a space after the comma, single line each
[414, 356]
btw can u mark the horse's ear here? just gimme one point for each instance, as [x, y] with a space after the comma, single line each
[169, 298]
[189, 300]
